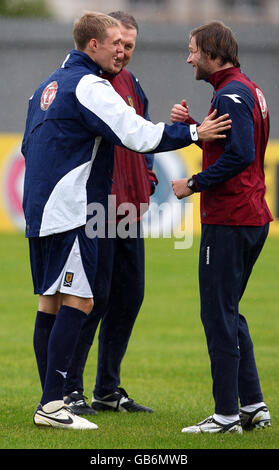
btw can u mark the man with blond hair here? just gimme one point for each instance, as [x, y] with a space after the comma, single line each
[74, 119]
[120, 279]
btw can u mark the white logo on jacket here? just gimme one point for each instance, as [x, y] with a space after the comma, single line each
[233, 97]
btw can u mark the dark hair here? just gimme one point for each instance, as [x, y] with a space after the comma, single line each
[217, 41]
[127, 20]
[92, 25]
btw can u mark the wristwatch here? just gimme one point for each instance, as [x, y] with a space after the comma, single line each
[191, 184]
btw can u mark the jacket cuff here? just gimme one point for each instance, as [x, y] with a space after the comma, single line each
[153, 181]
[197, 189]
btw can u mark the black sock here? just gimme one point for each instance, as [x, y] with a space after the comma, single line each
[43, 326]
[61, 346]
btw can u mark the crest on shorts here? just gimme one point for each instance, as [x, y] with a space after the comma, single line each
[130, 101]
[68, 280]
[48, 95]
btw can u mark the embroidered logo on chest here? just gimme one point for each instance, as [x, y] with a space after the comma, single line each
[130, 101]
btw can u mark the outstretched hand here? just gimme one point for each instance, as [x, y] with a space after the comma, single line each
[213, 128]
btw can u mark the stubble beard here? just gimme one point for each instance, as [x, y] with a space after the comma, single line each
[202, 69]
[201, 72]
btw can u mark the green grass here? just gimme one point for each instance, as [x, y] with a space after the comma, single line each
[166, 365]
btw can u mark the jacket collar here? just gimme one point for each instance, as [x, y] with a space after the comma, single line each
[81, 58]
[216, 79]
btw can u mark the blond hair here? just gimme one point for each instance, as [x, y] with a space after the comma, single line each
[92, 25]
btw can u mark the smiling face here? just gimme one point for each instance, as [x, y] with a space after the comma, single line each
[201, 63]
[109, 53]
[129, 37]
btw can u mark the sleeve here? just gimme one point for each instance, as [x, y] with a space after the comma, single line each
[153, 181]
[106, 114]
[149, 157]
[239, 150]
[28, 125]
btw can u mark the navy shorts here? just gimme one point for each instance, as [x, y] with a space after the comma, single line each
[64, 262]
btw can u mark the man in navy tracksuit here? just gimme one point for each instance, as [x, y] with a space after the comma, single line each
[119, 284]
[235, 221]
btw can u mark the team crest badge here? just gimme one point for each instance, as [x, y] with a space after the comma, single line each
[130, 101]
[68, 280]
[48, 95]
[262, 102]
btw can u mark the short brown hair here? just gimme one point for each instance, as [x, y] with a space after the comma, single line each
[92, 25]
[217, 41]
[126, 19]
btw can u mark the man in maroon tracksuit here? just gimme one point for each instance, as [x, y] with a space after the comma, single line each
[235, 221]
[119, 285]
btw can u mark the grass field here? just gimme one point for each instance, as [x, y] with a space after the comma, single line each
[166, 366]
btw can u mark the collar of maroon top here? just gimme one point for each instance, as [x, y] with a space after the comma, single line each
[110, 76]
[218, 77]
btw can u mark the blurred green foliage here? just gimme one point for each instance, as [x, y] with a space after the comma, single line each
[25, 8]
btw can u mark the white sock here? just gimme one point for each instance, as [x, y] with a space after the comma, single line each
[225, 419]
[253, 407]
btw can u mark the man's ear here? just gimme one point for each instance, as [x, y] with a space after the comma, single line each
[93, 44]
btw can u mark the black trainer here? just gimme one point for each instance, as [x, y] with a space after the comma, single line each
[260, 418]
[78, 405]
[118, 401]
